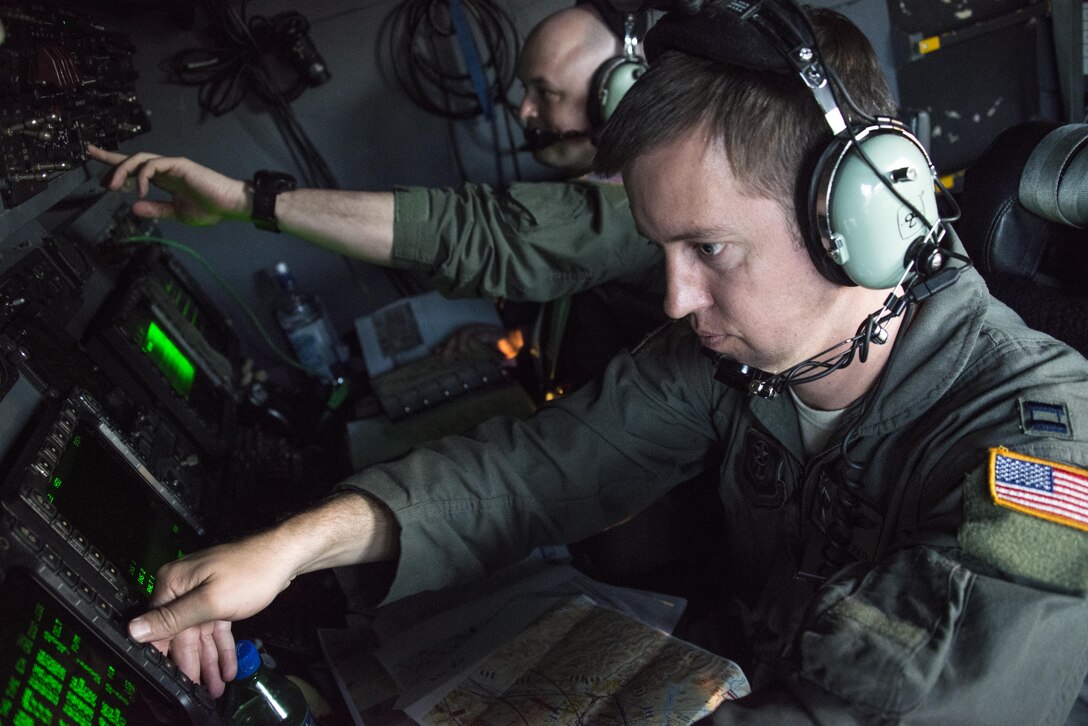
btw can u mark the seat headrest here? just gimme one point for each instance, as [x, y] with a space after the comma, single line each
[1054, 184]
[1025, 203]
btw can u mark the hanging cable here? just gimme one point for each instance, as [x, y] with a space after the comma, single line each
[275, 60]
[456, 59]
[417, 31]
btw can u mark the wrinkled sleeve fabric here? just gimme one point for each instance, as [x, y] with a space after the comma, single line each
[466, 506]
[532, 241]
[926, 638]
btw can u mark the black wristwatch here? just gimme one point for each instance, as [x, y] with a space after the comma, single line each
[266, 185]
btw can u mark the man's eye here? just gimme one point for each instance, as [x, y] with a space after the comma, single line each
[710, 249]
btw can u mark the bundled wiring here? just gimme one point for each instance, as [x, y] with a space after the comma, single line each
[418, 31]
[270, 58]
[456, 59]
[274, 60]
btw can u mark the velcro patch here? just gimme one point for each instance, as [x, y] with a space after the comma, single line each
[1045, 419]
[1045, 489]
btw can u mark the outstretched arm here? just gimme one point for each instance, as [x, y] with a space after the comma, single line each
[196, 598]
[358, 224]
[533, 241]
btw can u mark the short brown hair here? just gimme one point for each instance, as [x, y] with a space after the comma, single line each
[768, 123]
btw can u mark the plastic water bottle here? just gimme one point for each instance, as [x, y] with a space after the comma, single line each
[303, 320]
[259, 696]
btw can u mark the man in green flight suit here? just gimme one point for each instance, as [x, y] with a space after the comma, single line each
[532, 241]
[890, 478]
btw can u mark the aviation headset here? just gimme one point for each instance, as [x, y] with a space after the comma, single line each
[611, 80]
[860, 227]
[869, 192]
[615, 76]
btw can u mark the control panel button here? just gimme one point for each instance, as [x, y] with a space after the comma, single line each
[41, 505]
[50, 558]
[69, 575]
[29, 536]
[62, 525]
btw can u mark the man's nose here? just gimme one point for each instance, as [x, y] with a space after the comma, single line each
[527, 109]
[685, 291]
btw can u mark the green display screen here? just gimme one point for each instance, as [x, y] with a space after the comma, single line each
[170, 361]
[107, 500]
[55, 671]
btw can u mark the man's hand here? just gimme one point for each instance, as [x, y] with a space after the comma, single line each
[199, 196]
[197, 597]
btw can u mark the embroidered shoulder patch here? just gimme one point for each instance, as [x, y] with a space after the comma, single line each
[1045, 489]
[1045, 419]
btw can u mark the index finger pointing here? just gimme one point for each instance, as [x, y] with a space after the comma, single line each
[166, 620]
[106, 157]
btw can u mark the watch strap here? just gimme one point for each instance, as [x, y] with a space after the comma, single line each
[267, 185]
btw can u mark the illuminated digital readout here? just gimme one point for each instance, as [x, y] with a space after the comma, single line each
[175, 347]
[170, 361]
[117, 510]
[55, 671]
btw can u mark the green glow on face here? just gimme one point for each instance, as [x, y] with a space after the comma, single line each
[171, 361]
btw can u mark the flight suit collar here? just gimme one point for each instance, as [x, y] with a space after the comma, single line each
[778, 417]
[934, 348]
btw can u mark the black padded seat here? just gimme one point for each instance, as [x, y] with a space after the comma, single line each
[1025, 210]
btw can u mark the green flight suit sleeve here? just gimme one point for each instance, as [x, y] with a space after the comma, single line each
[533, 241]
[469, 505]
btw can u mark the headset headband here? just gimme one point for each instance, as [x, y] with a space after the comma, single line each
[761, 35]
[615, 12]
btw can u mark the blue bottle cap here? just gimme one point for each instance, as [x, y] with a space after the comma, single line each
[249, 660]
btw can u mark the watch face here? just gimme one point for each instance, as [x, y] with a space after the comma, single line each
[277, 181]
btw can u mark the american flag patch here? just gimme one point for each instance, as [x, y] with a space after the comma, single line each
[1038, 487]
